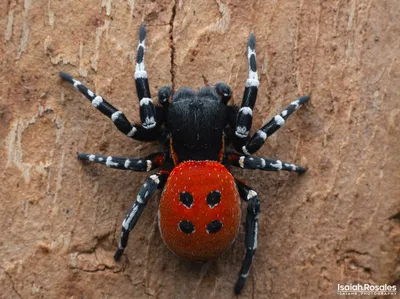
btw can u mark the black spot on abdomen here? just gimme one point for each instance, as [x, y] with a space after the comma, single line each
[186, 226]
[213, 198]
[214, 227]
[187, 199]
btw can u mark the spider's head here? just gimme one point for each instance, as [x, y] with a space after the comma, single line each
[196, 122]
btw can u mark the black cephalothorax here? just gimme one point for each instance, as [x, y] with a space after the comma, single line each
[194, 126]
[196, 122]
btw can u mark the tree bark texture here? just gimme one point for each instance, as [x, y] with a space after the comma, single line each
[60, 219]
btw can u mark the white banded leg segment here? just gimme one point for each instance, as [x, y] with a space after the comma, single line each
[148, 163]
[76, 83]
[141, 50]
[256, 141]
[252, 83]
[244, 117]
[118, 118]
[242, 132]
[145, 192]
[97, 101]
[140, 74]
[147, 109]
[147, 113]
[243, 122]
[251, 162]
[253, 213]
[251, 55]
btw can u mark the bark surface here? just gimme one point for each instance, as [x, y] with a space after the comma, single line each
[60, 219]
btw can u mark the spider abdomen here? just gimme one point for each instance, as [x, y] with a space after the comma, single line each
[199, 212]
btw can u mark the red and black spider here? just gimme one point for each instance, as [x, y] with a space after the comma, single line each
[199, 213]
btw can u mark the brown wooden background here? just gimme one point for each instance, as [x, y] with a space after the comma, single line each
[59, 219]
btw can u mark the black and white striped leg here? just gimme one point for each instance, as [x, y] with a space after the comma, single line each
[245, 115]
[147, 109]
[148, 163]
[119, 119]
[258, 139]
[253, 213]
[251, 162]
[146, 191]
[224, 92]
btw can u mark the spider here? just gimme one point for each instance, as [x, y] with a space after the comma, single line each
[199, 211]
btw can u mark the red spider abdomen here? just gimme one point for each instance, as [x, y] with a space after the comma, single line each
[199, 212]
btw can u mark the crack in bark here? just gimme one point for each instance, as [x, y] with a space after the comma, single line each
[172, 46]
[12, 282]
[106, 268]
[99, 267]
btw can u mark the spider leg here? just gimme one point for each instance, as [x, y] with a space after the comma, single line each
[244, 116]
[146, 191]
[224, 92]
[119, 119]
[258, 139]
[253, 213]
[148, 163]
[251, 162]
[164, 94]
[147, 108]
